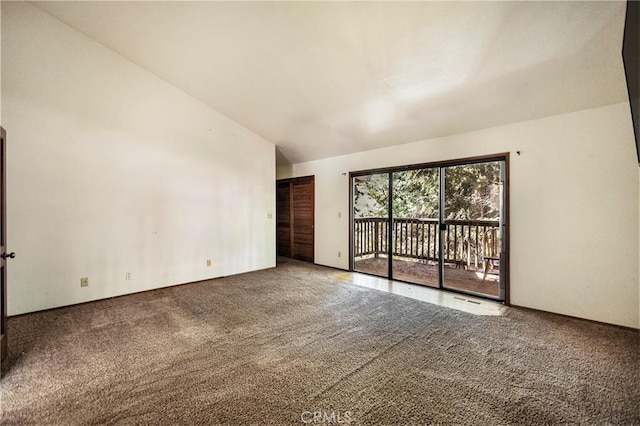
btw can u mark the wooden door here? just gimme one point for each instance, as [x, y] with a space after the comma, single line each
[283, 218]
[302, 226]
[3, 245]
[295, 218]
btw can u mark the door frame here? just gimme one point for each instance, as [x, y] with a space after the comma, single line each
[503, 156]
[3, 243]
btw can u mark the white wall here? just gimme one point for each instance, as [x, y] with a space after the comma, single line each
[111, 170]
[283, 172]
[574, 207]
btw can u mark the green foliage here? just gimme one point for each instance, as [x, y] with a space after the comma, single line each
[416, 194]
[472, 193]
[371, 196]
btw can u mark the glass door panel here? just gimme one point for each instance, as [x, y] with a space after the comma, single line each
[371, 224]
[414, 224]
[471, 235]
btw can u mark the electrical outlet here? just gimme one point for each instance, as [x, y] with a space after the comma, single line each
[127, 276]
[269, 215]
[208, 262]
[339, 215]
[339, 254]
[84, 282]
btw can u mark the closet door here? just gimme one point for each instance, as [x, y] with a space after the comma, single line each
[283, 218]
[295, 218]
[302, 226]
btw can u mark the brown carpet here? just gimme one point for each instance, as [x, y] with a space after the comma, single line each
[277, 346]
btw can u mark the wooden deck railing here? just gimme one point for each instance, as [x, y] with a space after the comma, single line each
[466, 242]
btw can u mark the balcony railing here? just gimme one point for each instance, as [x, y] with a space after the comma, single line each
[466, 242]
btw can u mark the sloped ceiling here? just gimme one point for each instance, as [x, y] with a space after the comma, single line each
[323, 79]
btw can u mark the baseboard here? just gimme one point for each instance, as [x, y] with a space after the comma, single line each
[578, 318]
[332, 267]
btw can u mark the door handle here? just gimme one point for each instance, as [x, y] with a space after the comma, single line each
[443, 226]
[10, 255]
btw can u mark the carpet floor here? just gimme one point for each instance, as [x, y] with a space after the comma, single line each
[293, 345]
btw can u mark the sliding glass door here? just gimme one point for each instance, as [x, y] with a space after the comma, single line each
[442, 226]
[472, 242]
[371, 224]
[415, 226]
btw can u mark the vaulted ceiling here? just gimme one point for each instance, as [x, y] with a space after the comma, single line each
[321, 79]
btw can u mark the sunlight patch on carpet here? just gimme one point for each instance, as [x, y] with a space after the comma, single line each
[459, 302]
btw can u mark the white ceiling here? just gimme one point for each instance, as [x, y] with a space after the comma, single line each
[328, 78]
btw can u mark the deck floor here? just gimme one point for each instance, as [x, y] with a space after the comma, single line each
[426, 273]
